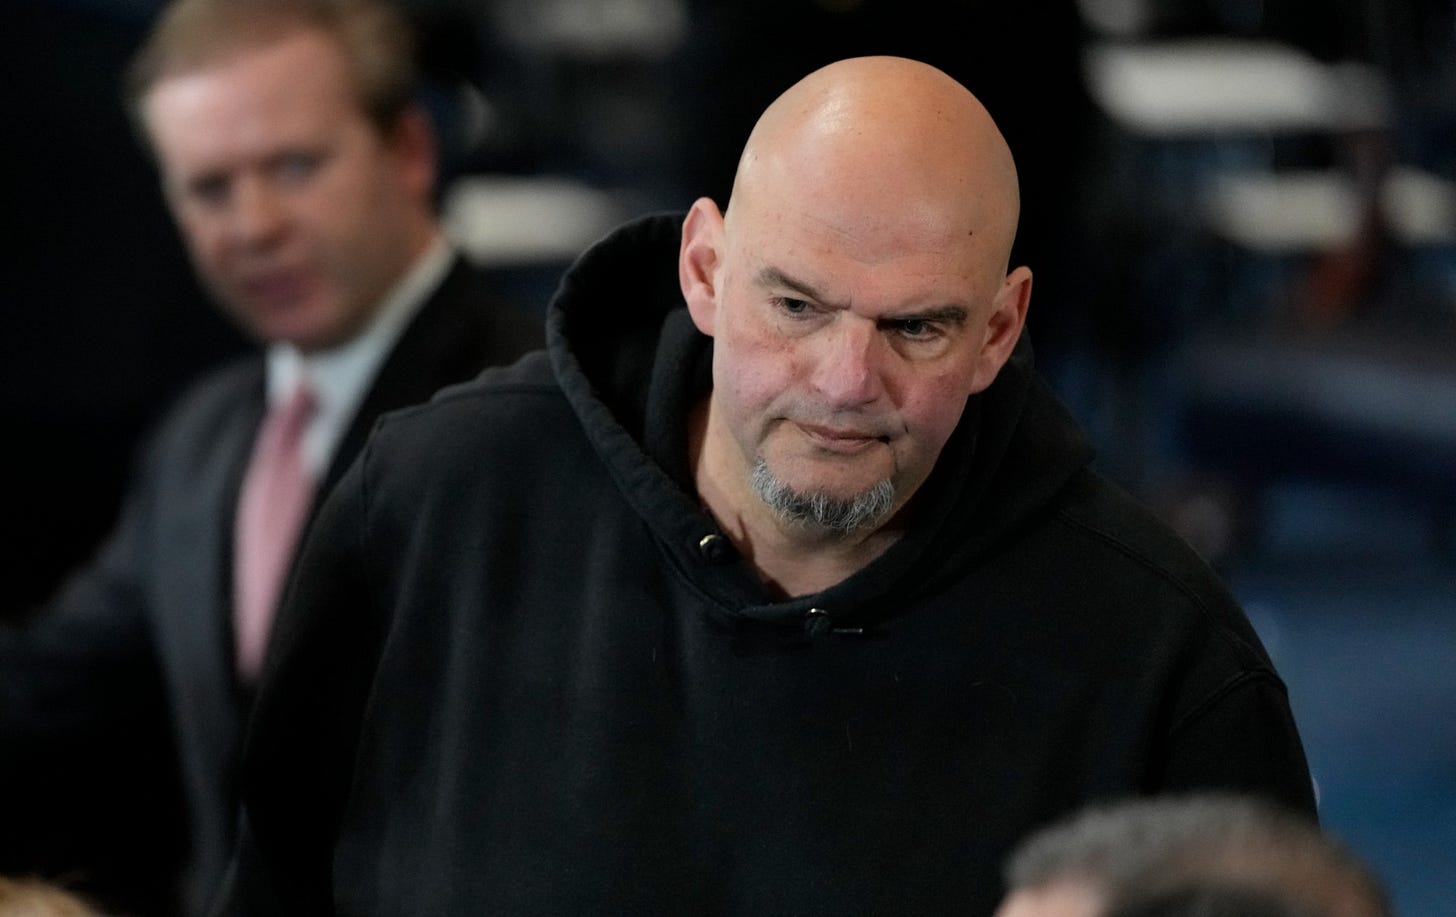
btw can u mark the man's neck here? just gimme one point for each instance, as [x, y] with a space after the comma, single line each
[791, 559]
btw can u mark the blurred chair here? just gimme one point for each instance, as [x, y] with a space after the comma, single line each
[1289, 276]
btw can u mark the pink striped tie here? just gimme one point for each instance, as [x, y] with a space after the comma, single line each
[275, 498]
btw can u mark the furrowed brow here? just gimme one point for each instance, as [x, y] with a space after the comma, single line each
[773, 277]
[950, 315]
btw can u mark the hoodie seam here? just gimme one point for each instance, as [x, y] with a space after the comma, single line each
[1220, 693]
[1168, 576]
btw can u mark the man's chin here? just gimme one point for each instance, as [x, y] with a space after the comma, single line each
[838, 475]
[835, 488]
[306, 333]
[835, 508]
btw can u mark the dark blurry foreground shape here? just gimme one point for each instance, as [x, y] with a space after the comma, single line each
[1173, 853]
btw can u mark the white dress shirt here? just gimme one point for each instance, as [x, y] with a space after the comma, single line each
[342, 375]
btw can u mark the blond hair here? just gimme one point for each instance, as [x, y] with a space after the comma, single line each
[192, 35]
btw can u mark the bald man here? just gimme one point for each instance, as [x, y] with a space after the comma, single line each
[779, 584]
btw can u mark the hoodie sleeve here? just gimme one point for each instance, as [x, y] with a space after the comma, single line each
[1244, 739]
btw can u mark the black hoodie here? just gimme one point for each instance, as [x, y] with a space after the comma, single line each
[524, 672]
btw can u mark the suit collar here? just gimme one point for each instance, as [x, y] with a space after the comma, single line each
[341, 376]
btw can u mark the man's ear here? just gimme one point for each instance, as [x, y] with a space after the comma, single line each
[698, 261]
[1003, 329]
[414, 142]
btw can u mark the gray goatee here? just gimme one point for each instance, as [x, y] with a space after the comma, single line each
[821, 511]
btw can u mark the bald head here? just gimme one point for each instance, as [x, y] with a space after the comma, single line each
[877, 143]
[856, 286]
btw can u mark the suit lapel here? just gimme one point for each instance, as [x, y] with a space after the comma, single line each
[195, 607]
[439, 346]
[201, 531]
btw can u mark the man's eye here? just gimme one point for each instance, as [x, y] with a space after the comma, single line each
[211, 190]
[297, 167]
[792, 306]
[916, 328]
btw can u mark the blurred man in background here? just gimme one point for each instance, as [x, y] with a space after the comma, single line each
[300, 169]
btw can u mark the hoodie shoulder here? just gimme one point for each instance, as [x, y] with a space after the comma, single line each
[1137, 553]
[513, 401]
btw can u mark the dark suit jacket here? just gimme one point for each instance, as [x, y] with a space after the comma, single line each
[147, 627]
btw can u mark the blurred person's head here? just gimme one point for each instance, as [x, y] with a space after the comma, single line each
[37, 898]
[857, 291]
[293, 154]
[1110, 855]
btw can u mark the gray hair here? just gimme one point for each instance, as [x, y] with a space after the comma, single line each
[1147, 846]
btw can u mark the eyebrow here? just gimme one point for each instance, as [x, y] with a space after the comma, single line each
[951, 314]
[773, 277]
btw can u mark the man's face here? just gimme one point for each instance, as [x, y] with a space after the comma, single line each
[298, 215]
[844, 351]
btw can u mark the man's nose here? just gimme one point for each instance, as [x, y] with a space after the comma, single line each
[259, 211]
[850, 367]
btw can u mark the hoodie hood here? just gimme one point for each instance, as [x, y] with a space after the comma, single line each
[632, 364]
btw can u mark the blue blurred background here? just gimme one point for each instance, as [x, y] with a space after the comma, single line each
[1241, 215]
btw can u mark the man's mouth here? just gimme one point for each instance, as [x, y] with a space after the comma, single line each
[277, 289]
[845, 440]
